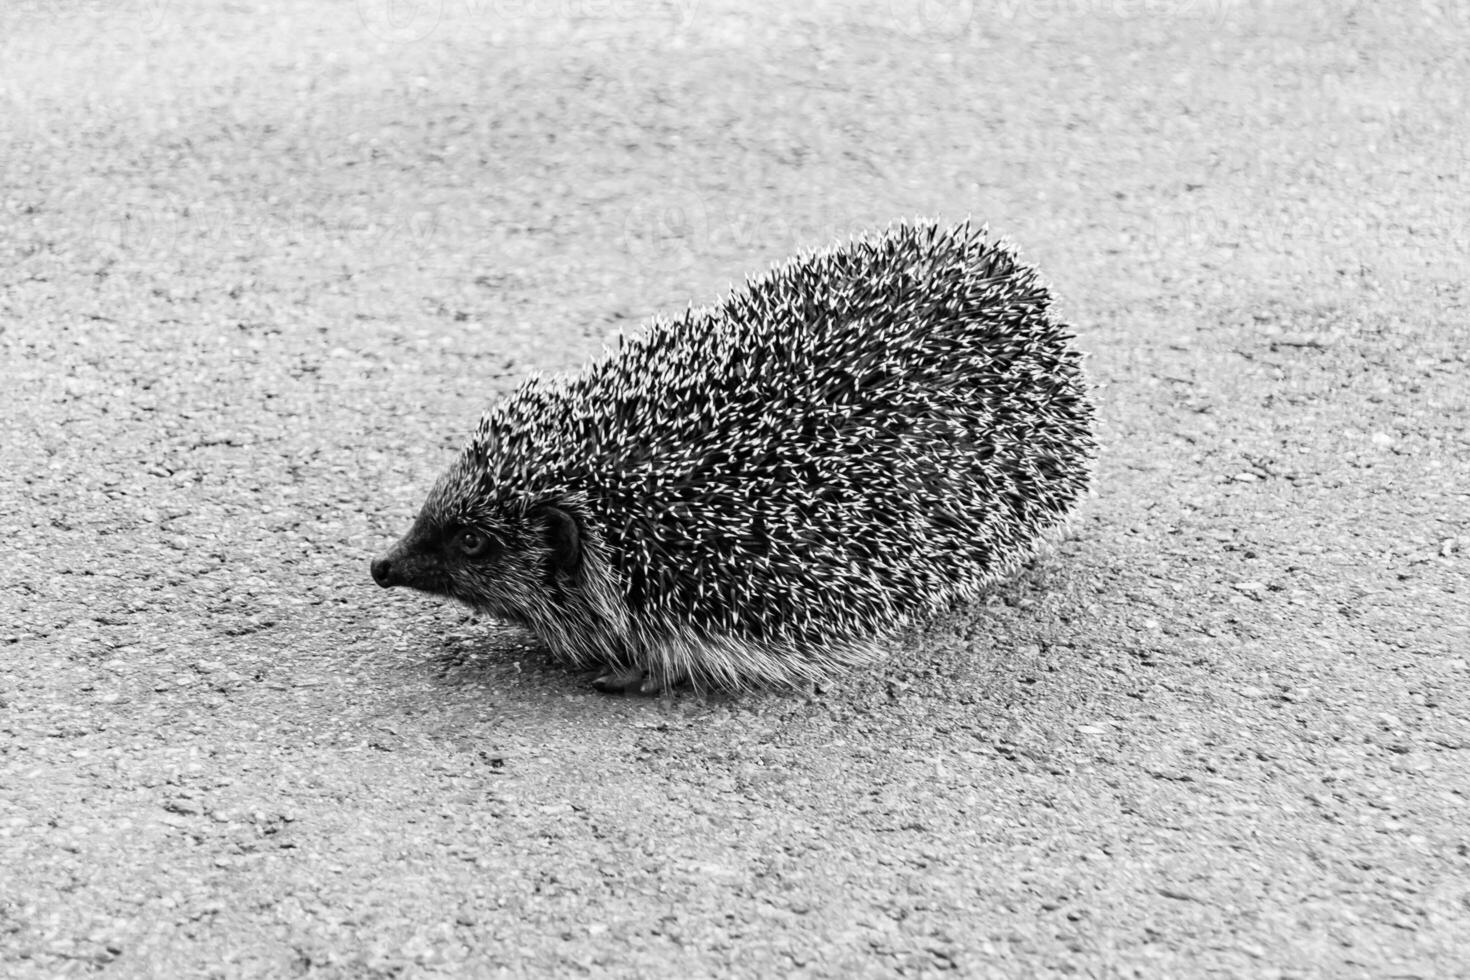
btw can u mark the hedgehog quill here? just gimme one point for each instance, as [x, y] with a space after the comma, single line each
[760, 492]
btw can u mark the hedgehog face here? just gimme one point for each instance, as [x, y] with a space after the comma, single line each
[508, 563]
[444, 557]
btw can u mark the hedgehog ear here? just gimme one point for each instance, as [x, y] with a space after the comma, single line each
[563, 537]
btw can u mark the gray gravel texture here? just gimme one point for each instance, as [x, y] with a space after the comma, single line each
[264, 263]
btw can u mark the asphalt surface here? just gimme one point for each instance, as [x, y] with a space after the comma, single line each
[263, 263]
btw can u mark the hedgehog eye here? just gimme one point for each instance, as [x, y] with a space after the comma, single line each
[473, 543]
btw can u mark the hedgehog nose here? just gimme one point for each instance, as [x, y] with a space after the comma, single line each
[383, 572]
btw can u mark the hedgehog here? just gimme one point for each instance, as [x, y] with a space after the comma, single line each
[763, 491]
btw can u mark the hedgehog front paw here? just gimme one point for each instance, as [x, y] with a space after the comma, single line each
[619, 680]
[628, 680]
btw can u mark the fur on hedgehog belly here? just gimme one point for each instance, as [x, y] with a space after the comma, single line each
[759, 491]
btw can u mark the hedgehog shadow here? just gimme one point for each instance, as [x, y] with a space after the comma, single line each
[1042, 606]
[502, 656]
[488, 653]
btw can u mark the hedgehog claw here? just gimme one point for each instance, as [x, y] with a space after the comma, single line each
[626, 680]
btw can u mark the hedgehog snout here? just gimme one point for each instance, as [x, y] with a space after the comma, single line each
[402, 565]
[414, 560]
[383, 572]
